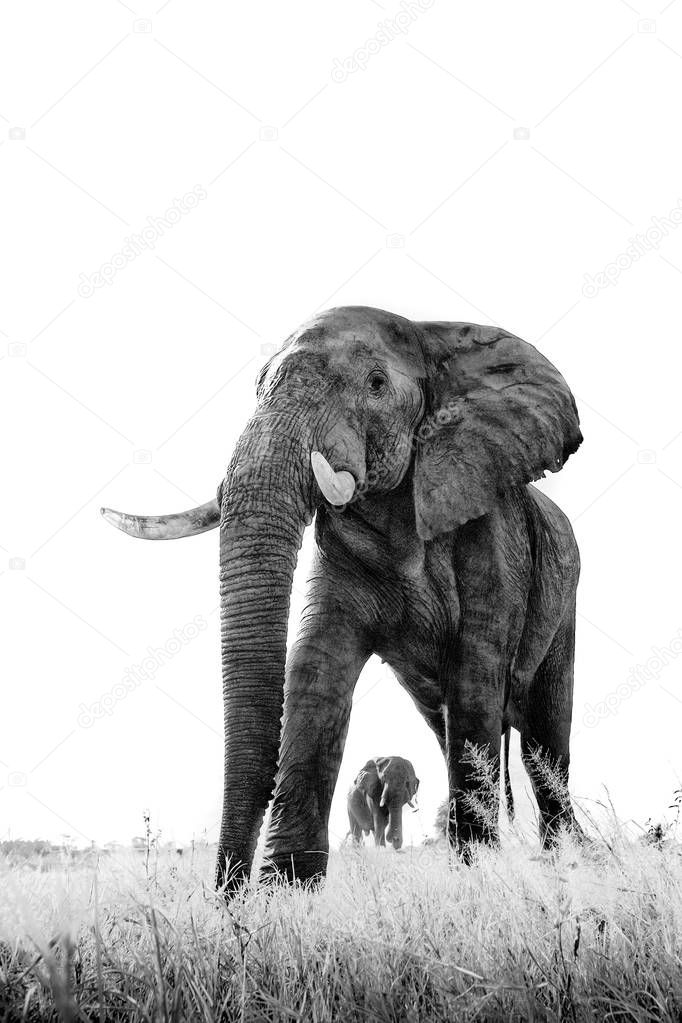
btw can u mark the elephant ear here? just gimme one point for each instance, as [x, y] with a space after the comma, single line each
[498, 415]
[367, 779]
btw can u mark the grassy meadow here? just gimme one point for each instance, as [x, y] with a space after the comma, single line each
[586, 932]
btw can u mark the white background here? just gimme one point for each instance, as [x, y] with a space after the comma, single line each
[408, 185]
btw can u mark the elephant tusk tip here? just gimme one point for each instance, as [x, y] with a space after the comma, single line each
[114, 518]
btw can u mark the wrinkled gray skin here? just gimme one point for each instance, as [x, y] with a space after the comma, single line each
[377, 797]
[445, 564]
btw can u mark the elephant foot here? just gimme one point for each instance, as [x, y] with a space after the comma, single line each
[232, 873]
[467, 837]
[550, 833]
[309, 867]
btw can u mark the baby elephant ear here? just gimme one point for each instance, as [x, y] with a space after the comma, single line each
[498, 415]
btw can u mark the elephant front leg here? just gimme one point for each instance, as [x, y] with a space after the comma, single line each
[355, 831]
[546, 731]
[380, 822]
[473, 730]
[359, 817]
[322, 670]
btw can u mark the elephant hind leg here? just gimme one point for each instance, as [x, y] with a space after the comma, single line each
[545, 733]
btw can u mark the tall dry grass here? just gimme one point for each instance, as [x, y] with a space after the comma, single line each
[586, 932]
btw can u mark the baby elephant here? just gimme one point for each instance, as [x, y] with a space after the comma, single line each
[376, 800]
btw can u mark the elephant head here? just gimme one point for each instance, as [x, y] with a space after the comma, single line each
[356, 404]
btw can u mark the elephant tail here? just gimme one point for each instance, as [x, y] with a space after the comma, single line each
[508, 794]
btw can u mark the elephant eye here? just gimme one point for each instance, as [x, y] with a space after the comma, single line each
[376, 383]
[504, 368]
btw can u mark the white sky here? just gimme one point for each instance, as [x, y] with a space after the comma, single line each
[402, 186]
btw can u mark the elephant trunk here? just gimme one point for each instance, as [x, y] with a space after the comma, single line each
[266, 504]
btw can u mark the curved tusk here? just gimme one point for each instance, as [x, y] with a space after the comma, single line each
[166, 527]
[384, 795]
[337, 487]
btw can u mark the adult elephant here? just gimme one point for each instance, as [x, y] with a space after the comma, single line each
[377, 797]
[413, 442]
